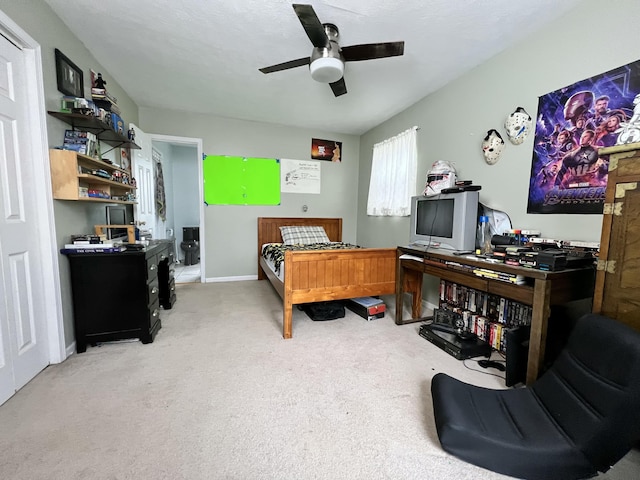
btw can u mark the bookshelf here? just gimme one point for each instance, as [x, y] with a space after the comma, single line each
[71, 180]
[488, 316]
[535, 288]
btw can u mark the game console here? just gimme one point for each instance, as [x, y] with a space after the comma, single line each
[461, 188]
[453, 344]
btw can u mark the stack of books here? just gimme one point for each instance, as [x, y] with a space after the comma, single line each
[81, 142]
[105, 100]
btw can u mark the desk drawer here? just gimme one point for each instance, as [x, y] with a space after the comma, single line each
[152, 267]
[153, 292]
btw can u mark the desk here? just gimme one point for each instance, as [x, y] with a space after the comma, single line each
[542, 289]
[118, 295]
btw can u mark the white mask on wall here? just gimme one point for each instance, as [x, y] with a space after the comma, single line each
[518, 125]
[492, 146]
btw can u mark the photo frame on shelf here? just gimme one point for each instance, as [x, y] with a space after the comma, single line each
[69, 76]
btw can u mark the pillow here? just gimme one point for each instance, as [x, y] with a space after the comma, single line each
[303, 235]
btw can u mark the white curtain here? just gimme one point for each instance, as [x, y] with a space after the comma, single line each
[393, 175]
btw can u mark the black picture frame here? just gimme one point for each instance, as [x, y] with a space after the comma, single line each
[70, 77]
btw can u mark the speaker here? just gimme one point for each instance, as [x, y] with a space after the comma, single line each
[517, 353]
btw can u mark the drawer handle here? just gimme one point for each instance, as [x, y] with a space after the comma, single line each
[155, 313]
[173, 288]
[153, 267]
[162, 257]
[154, 290]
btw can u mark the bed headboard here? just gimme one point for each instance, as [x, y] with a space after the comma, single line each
[269, 231]
[269, 228]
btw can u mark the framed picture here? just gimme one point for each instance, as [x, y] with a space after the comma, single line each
[69, 76]
[326, 150]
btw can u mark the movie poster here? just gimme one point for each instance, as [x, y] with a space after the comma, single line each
[326, 150]
[568, 175]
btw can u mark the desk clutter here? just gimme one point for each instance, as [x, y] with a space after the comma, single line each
[525, 248]
[88, 243]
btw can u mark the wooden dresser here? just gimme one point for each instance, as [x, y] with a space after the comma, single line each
[617, 289]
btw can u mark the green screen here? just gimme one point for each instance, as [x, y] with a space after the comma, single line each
[241, 180]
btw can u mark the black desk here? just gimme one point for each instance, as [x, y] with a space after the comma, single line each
[542, 290]
[118, 295]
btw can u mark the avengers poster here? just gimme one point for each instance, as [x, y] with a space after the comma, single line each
[568, 175]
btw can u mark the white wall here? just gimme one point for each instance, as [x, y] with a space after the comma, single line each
[231, 230]
[39, 21]
[592, 39]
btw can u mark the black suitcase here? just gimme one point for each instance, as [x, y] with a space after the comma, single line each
[320, 311]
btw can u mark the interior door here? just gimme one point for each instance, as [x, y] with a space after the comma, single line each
[23, 345]
[142, 168]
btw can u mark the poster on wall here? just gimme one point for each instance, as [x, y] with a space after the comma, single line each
[568, 175]
[326, 150]
[299, 176]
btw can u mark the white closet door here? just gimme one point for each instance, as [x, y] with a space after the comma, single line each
[24, 351]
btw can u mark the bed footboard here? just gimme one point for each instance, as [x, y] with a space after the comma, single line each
[316, 276]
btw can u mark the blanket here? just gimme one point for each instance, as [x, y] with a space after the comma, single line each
[275, 251]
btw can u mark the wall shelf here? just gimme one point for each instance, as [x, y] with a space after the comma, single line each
[67, 179]
[92, 124]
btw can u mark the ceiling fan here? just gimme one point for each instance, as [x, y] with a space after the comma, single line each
[326, 62]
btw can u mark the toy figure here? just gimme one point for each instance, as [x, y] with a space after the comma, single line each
[100, 82]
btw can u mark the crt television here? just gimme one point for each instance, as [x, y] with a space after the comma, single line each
[447, 221]
[117, 215]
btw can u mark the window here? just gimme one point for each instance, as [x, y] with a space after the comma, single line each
[393, 175]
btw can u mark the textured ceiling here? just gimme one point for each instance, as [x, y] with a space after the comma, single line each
[203, 55]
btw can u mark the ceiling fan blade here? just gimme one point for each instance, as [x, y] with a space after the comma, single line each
[311, 24]
[371, 51]
[339, 87]
[286, 65]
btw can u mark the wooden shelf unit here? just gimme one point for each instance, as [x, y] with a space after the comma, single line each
[542, 289]
[66, 178]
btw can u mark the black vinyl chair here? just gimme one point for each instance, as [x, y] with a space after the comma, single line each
[580, 417]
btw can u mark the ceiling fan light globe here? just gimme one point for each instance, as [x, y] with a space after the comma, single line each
[326, 69]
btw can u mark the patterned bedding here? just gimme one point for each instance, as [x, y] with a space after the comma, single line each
[275, 251]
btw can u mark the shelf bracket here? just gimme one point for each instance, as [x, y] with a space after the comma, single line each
[113, 148]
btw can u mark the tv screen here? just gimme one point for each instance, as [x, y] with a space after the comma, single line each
[435, 218]
[446, 221]
[116, 215]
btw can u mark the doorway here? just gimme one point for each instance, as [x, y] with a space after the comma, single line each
[181, 158]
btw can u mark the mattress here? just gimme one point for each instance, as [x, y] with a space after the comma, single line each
[272, 264]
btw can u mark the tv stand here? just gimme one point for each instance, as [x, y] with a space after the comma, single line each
[542, 289]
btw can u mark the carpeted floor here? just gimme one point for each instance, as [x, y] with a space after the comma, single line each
[220, 395]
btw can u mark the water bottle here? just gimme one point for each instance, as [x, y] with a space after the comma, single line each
[485, 235]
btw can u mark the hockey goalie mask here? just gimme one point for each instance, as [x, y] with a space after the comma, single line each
[518, 125]
[492, 146]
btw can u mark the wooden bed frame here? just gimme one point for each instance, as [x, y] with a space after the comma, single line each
[321, 275]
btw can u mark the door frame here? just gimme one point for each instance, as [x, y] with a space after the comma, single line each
[37, 125]
[197, 142]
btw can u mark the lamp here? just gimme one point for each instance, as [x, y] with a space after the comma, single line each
[326, 69]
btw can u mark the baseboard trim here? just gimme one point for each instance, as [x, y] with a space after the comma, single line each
[231, 279]
[70, 350]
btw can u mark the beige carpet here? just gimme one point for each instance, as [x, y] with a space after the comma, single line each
[220, 395]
